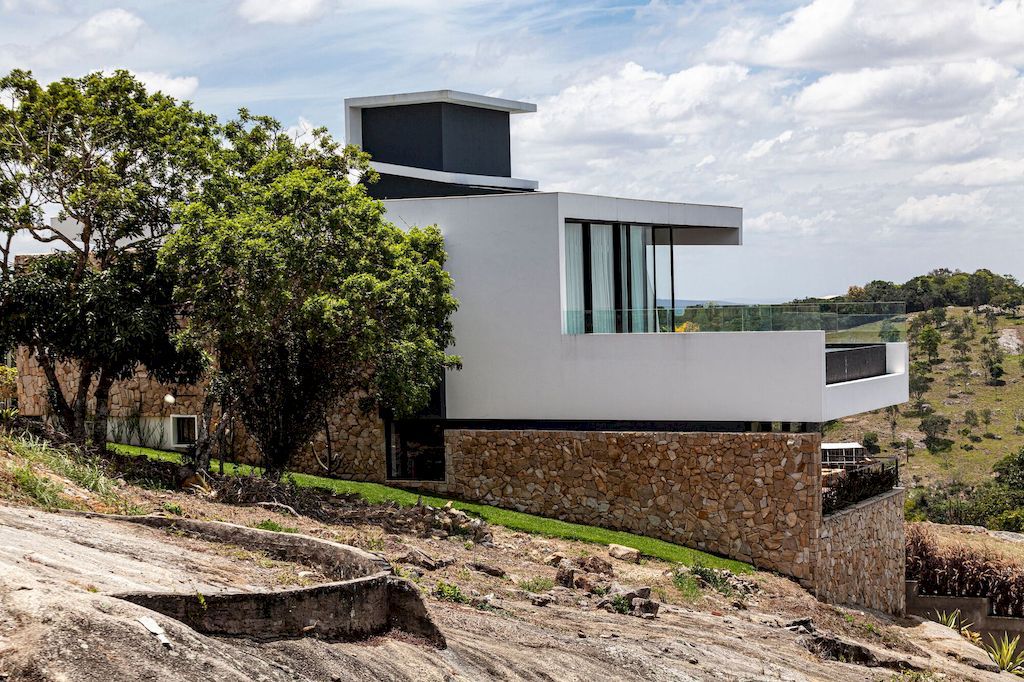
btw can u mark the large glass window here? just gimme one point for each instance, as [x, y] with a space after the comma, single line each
[618, 278]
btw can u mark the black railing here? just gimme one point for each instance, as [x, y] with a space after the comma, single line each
[848, 362]
[857, 485]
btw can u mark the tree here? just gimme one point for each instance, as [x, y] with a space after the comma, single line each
[919, 383]
[111, 160]
[928, 340]
[962, 359]
[935, 427]
[118, 319]
[870, 443]
[892, 417]
[971, 418]
[991, 357]
[986, 416]
[304, 292]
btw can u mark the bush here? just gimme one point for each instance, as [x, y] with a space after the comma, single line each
[870, 443]
[960, 571]
[536, 585]
[449, 592]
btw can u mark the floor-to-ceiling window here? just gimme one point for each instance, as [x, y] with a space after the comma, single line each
[618, 278]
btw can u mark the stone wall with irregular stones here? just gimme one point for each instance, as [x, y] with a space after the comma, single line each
[862, 555]
[750, 496]
[357, 437]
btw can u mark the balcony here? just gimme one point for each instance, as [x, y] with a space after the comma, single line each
[846, 325]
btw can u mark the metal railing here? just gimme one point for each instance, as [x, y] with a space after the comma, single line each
[855, 485]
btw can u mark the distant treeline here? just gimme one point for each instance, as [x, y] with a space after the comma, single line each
[940, 287]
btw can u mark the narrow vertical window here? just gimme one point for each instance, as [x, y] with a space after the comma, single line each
[574, 306]
[602, 278]
[640, 289]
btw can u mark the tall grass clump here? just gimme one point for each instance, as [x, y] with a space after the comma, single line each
[961, 571]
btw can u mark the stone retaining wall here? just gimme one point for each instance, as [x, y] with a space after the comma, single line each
[750, 496]
[862, 555]
[356, 436]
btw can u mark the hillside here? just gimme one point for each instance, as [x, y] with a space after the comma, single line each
[971, 455]
[497, 602]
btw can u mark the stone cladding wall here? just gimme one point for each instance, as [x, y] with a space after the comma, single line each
[750, 496]
[862, 555]
[357, 437]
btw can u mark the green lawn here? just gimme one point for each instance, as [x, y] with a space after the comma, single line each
[529, 523]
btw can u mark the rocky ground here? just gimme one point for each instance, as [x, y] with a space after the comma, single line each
[496, 595]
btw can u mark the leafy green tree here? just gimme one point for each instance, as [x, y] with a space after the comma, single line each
[935, 427]
[971, 418]
[919, 383]
[928, 340]
[870, 443]
[117, 320]
[110, 160]
[986, 416]
[991, 356]
[304, 292]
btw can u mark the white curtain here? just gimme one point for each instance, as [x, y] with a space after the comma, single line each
[574, 278]
[639, 291]
[602, 278]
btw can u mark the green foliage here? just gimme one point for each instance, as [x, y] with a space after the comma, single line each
[621, 604]
[870, 442]
[112, 159]
[172, 508]
[686, 583]
[270, 524]
[538, 584]
[39, 488]
[950, 620]
[1003, 652]
[928, 341]
[8, 382]
[450, 592]
[991, 357]
[712, 577]
[941, 288]
[935, 427]
[304, 292]
[971, 418]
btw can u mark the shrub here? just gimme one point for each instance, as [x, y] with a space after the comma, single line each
[857, 485]
[685, 583]
[538, 584]
[717, 578]
[960, 571]
[449, 592]
[870, 443]
[270, 524]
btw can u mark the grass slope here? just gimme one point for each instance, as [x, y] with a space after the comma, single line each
[528, 523]
[971, 465]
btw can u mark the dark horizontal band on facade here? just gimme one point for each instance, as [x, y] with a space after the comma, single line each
[622, 425]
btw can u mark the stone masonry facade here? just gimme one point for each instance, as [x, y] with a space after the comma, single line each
[750, 496]
[862, 555]
[754, 497]
[356, 437]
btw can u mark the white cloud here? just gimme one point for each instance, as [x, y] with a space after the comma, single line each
[953, 138]
[844, 34]
[280, 11]
[706, 161]
[111, 30]
[913, 92]
[762, 147]
[946, 208]
[778, 223]
[179, 87]
[977, 173]
[301, 131]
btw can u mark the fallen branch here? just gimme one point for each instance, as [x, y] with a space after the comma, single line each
[278, 505]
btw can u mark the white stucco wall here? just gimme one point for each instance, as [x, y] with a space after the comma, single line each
[505, 257]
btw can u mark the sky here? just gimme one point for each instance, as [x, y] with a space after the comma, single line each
[864, 139]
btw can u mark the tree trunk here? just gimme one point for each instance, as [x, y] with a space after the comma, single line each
[55, 395]
[99, 426]
[79, 406]
[204, 439]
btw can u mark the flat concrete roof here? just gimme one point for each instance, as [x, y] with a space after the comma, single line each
[448, 96]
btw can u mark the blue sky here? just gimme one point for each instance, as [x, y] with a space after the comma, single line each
[863, 138]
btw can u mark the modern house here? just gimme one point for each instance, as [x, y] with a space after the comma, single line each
[589, 391]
